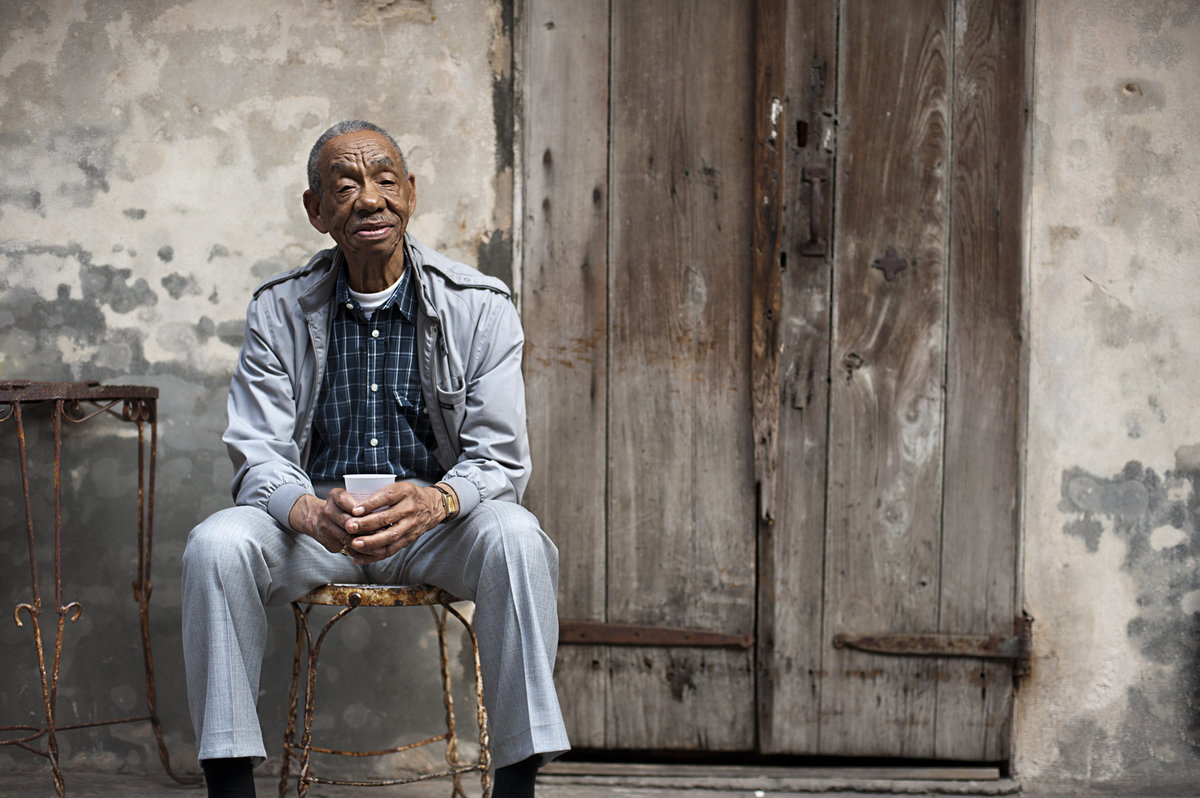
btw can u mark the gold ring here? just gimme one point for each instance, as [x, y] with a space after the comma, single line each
[347, 550]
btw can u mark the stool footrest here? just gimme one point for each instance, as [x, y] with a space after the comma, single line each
[384, 752]
[459, 771]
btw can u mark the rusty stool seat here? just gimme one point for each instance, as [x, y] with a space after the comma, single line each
[350, 597]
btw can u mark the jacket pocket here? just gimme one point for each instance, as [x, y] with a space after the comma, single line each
[452, 397]
[452, 411]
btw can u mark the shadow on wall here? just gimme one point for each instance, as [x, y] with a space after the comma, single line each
[1156, 518]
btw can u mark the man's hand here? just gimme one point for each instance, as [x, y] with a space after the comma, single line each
[410, 512]
[323, 521]
[372, 534]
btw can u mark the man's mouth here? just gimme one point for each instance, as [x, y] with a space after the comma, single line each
[373, 231]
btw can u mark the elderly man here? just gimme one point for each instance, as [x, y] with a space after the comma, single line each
[377, 356]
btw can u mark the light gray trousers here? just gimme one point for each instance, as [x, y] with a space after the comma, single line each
[239, 560]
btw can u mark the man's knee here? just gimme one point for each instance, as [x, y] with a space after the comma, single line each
[221, 542]
[509, 531]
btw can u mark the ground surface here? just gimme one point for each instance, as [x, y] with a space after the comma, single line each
[575, 780]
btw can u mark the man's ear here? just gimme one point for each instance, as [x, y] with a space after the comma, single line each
[412, 194]
[312, 204]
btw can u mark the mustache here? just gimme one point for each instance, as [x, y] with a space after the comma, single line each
[377, 220]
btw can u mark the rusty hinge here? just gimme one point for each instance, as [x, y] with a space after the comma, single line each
[1016, 648]
[626, 634]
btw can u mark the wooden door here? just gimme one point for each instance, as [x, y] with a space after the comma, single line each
[771, 288]
[636, 293]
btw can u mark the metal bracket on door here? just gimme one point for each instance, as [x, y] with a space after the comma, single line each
[1016, 648]
[625, 634]
[817, 244]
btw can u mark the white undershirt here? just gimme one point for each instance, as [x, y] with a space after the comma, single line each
[373, 301]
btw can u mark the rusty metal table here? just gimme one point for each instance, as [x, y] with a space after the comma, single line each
[77, 402]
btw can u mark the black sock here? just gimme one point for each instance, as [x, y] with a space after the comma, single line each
[229, 778]
[516, 781]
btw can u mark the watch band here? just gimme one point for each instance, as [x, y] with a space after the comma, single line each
[449, 501]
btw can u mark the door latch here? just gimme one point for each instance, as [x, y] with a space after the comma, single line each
[935, 644]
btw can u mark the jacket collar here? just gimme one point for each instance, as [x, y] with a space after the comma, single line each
[319, 296]
[412, 250]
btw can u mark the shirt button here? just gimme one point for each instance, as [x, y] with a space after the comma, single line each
[374, 387]
[374, 441]
[374, 333]
[349, 306]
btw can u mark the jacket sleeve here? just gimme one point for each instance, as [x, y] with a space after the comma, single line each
[262, 421]
[494, 461]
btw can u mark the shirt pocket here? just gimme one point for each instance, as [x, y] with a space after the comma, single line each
[417, 419]
[408, 410]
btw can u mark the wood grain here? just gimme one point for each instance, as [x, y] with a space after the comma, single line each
[791, 549]
[564, 238]
[770, 147]
[979, 539]
[886, 398]
[681, 508]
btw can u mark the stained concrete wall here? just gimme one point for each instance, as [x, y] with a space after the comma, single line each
[153, 159]
[1112, 532]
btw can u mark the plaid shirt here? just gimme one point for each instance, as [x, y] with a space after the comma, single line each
[370, 416]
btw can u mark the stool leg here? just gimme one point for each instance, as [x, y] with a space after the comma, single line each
[310, 699]
[309, 702]
[452, 758]
[485, 744]
[289, 736]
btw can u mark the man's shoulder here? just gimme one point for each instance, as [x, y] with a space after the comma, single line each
[300, 278]
[453, 274]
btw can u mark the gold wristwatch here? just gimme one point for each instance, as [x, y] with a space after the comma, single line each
[449, 500]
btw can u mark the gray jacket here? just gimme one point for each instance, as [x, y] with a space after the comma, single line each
[470, 342]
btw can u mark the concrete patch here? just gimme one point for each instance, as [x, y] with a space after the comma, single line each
[1158, 521]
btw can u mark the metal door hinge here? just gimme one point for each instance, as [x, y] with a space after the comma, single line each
[935, 644]
[625, 634]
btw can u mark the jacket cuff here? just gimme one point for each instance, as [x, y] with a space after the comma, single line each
[468, 494]
[281, 502]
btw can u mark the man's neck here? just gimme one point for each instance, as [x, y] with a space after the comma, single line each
[374, 276]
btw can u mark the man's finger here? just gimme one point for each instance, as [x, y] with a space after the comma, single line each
[359, 526]
[386, 542]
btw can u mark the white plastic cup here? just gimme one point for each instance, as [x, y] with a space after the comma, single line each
[364, 486]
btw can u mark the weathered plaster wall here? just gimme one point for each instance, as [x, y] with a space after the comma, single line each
[1112, 528]
[153, 164]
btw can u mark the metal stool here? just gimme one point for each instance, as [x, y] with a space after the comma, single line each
[349, 597]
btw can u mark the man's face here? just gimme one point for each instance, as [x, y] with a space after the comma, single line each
[366, 198]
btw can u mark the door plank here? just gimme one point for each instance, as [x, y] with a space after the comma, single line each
[791, 549]
[680, 506]
[887, 374]
[983, 375]
[564, 252]
[770, 147]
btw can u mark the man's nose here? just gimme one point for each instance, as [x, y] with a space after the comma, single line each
[369, 198]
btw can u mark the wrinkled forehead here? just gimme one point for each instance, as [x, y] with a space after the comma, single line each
[361, 150]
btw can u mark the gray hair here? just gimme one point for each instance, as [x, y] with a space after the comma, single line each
[341, 129]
